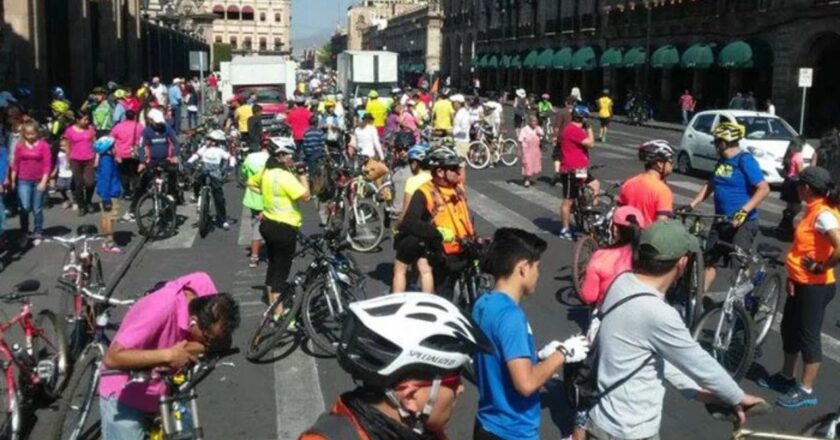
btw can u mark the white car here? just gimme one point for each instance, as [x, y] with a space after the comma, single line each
[767, 138]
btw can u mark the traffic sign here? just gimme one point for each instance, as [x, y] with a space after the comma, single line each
[806, 77]
[198, 61]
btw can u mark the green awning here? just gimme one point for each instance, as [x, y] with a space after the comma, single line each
[698, 56]
[530, 60]
[544, 59]
[482, 61]
[612, 57]
[635, 57]
[584, 59]
[736, 55]
[516, 62]
[419, 68]
[665, 57]
[562, 59]
[401, 67]
[505, 61]
[493, 61]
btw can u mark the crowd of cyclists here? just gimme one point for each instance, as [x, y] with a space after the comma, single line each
[407, 351]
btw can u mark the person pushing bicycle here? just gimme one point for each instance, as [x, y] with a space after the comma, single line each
[213, 156]
[159, 146]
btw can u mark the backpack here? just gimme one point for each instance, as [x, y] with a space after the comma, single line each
[334, 427]
[581, 379]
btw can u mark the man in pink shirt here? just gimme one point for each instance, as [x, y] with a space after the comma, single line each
[575, 141]
[298, 120]
[166, 328]
[687, 106]
[127, 135]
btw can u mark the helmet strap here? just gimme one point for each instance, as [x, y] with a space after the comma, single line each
[417, 421]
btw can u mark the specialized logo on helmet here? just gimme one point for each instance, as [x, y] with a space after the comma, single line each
[431, 359]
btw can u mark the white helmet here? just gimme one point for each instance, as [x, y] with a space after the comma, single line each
[520, 93]
[283, 144]
[217, 135]
[390, 338]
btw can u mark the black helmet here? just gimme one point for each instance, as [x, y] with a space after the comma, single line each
[443, 157]
[818, 178]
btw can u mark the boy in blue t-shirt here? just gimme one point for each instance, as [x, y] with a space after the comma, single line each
[109, 189]
[509, 379]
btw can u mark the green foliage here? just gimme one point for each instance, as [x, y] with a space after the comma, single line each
[221, 52]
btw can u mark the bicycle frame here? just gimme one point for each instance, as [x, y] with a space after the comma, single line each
[748, 433]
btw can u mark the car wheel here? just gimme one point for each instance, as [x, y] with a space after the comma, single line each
[684, 164]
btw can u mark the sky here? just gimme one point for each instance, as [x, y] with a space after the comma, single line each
[312, 19]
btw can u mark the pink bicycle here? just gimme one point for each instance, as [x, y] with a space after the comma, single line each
[38, 369]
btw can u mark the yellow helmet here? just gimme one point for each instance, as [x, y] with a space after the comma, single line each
[59, 107]
[373, 94]
[120, 94]
[141, 93]
[729, 132]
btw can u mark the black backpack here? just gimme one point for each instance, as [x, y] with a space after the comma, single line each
[581, 379]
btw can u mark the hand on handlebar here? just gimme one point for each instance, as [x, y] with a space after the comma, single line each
[178, 356]
[739, 218]
[815, 267]
[684, 209]
[447, 234]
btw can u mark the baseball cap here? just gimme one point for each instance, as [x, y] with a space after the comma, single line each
[669, 239]
[624, 214]
[156, 116]
[818, 178]
[457, 98]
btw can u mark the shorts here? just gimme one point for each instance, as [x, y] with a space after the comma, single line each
[571, 185]
[255, 225]
[789, 193]
[63, 182]
[110, 210]
[605, 122]
[803, 318]
[409, 249]
[518, 120]
[743, 237]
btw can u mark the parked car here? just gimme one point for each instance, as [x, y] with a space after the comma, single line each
[767, 138]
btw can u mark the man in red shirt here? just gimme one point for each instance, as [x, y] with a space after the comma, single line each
[648, 191]
[563, 117]
[298, 119]
[575, 141]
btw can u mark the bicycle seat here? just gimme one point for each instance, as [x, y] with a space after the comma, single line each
[88, 230]
[769, 252]
[27, 286]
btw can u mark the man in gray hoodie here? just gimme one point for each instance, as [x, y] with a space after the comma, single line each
[646, 330]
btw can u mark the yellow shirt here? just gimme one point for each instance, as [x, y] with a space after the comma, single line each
[605, 105]
[443, 112]
[280, 191]
[414, 182]
[421, 112]
[241, 115]
[377, 109]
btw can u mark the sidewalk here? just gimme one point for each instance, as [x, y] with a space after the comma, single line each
[651, 124]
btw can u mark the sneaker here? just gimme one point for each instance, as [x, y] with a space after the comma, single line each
[127, 217]
[65, 205]
[779, 383]
[253, 262]
[111, 248]
[797, 398]
[37, 238]
[75, 207]
[566, 234]
[226, 226]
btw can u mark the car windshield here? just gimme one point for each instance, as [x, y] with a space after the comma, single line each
[382, 90]
[764, 128]
[268, 95]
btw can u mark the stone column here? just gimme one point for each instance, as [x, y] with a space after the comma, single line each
[134, 41]
[81, 74]
[24, 49]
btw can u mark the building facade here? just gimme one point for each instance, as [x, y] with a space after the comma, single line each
[254, 26]
[374, 12]
[415, 36]
[712, 48]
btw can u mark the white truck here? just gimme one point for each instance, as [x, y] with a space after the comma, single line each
[360, 71]
[271, 77]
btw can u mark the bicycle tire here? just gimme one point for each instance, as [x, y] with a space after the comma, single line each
[736, 362]
[763, 313]
[584, 248]
[51, 345]
[204, 211]
[97, 279]
[372, 221]
[72, 415]
[9, 411]
[695, 288]
[268, 333]
[478, 155]
[508, 152]
[321, 318]
[158, 220]
[823, 426]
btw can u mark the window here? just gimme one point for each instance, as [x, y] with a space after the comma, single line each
[233, 42]
[247, 43]
[218, 38]
[262, 16]
[263, 44]
[703, 123]
[278, 44]
[277, 18]
[766, 128]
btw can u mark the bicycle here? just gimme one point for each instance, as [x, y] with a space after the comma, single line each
[72, 422]
[739, 325]
[155, 211]
[37, 369]
[594, 222]
[548, 130]
[491, 148]
[360, 220]
[332, 281]
[472, 282]
[202, 177]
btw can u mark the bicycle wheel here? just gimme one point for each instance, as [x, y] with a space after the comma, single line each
[155, 215]
[365, 226]
[323, 313]
[728, 338]
[73, 419]
[694, 288]
[766, 301]
[508, 152]
[824, 426]
[204, 211]
[10, 411]
[50, 351]
[584, 248]
[478, 155]
[270, 330]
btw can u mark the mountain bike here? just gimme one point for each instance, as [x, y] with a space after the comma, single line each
[472, 281]
[332, 280]
[38, 369]
[547, 125]
[733, 330]
[203, 178]
[360, 220]
[491, 148]
[73, 421]
[155, 211]
[593, 218]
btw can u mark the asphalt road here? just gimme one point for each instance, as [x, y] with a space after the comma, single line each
[277, 400]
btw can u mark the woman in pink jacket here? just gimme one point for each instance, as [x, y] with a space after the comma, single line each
[30, 172]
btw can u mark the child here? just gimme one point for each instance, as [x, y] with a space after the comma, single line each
[63, 174]
[109, 189]
[215, 158]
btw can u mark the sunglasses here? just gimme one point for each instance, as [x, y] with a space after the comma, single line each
[453, 382]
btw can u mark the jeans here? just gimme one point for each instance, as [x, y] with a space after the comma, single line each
[121, 422]
[685, 115]
[192, 119]
[176, 118]
[31, 201]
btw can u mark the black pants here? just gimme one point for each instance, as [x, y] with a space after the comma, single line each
[83, 181]
[128, 175]
[446, 271]
[479, 433]
[171, 172]
[803, 318]
[281, 244]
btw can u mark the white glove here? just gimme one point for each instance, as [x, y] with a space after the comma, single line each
[575, 348]
[548, 350]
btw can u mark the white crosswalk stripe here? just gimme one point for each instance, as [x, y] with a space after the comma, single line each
[499, 215]
[769, 204]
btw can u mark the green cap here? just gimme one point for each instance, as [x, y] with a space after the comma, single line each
[670, 239]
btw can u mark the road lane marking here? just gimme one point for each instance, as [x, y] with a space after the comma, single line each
[830, 345]
[498, 215]
[532, 195]
[185, 238]
[298, 396]
[768, 204]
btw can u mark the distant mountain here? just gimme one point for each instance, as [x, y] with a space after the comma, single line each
[312, 40]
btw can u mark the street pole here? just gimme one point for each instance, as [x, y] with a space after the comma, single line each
[802, 112]
[647, 51]
[202, 62]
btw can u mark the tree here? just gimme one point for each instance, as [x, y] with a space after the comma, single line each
[221, 52]
[326, 56]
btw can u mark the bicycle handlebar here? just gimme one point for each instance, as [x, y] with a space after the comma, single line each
[20, 296]
[697, 215]
[105, 299]
[70, 242]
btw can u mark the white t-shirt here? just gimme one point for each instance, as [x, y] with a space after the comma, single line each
[367, 142]
[494, 115]
[825, 222]
[314, 83]
[771, 109]
[64, 171]
[160, 93]
[461, 125]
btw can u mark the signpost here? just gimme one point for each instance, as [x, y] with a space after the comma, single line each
[198, 61]
[806, 80]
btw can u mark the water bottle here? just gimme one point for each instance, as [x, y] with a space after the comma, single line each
[743, 289]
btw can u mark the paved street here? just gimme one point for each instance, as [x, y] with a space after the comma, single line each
[277, 400]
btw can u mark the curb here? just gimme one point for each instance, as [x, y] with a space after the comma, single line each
[122, 268]
[623, 121]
